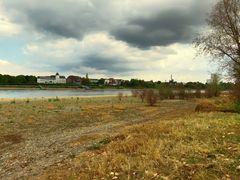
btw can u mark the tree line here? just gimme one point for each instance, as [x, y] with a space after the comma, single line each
[133, 83]
[17, 80]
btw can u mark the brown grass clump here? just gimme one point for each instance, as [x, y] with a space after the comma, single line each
[51, 107]
[206, 105]
[222, 104]
[12, 138]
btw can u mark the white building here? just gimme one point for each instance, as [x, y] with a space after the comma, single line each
[113, 82]
[54, 79]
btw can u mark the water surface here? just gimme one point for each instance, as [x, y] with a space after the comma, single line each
[59, 93]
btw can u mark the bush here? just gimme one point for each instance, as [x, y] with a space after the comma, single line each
[189, 95]
[236, 91]
[181, 93]
[166, 93]
[236, 96]
[171, 95]
[237, 106]
[206, 105]
[198, 93]
[212, 91]
[151, 98]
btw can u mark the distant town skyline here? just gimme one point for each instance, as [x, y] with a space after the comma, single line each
[145, 39]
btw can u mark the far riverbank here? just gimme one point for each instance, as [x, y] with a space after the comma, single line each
[57, 87]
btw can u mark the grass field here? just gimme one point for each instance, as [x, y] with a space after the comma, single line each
[103, 138]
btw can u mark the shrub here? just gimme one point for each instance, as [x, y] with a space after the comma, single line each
[181, 93]
[166, 93]
[171, 95]
[212, 91]
[151, 98]
[236, 91]
[198, 93]
[236, 96]
[237, 106]
[206, 105]
[189, 95]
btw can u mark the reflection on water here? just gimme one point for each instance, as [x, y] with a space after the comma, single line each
[59, 93]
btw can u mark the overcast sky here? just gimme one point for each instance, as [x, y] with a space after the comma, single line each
[145, 39]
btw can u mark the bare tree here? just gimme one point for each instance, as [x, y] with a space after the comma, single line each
[142, 94]
[151, 98]
[222, 41]
[135, 93]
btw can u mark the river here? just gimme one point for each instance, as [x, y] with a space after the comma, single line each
[59, 93]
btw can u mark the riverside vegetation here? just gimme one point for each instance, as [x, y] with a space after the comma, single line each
[119, 138]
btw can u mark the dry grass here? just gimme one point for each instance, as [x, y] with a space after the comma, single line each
[199, 146]
[50, 115]
[172, 142]
[222, 104]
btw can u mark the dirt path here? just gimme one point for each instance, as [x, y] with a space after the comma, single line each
[32, 156]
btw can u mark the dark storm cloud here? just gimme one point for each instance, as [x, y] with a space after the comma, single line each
[75, 19]
[107, 64]
[164, 28]
[70, 19]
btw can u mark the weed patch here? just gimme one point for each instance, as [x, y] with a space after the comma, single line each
[99, 145]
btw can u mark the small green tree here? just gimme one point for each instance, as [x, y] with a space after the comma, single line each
[85, 81]
[213, 89]
[165, 92]
[101, 81]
